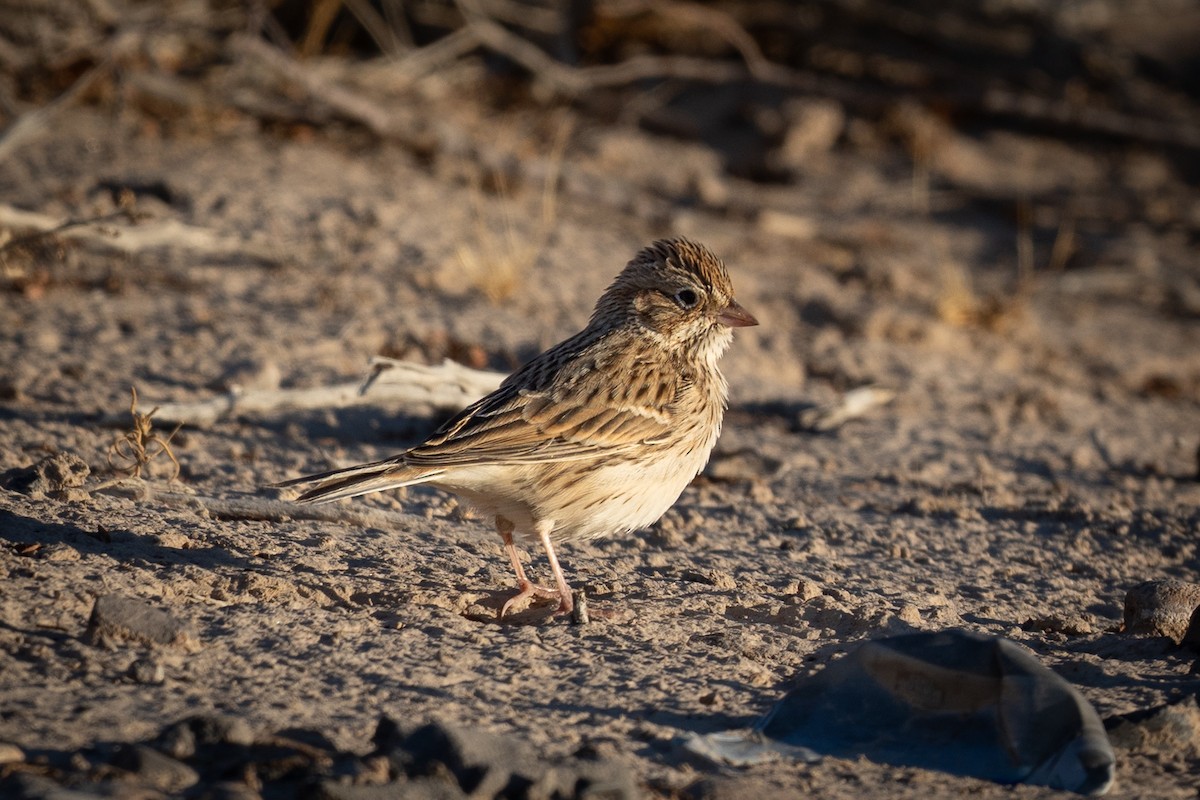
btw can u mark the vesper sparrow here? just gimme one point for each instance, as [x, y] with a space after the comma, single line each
[598, 435]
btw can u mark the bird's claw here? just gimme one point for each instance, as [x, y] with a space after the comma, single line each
[528, 591]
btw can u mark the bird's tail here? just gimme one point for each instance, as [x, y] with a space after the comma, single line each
[362, 479]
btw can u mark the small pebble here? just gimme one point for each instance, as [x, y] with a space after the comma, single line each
[116, 617]
[147, 671]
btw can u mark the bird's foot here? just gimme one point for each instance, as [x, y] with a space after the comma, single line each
[528, 591]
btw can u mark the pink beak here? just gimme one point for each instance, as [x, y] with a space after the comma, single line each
[734, 316]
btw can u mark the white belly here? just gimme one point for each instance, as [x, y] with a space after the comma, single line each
[583, 500]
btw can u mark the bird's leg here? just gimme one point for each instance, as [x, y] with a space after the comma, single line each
[565, 603]
[526, 589]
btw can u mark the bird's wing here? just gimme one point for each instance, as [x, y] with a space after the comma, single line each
[574, 406]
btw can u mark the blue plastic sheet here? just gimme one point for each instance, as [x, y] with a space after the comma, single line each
[952, 701]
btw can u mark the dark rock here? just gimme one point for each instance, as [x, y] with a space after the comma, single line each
[177, 741]
[30, 786]
[116, 618]
[229, 790]
[1191, 637]
[221, 729]
[484, 765]
[404, 789]
[488, 765]
[183, 738]
[585, 780]
[155, 769]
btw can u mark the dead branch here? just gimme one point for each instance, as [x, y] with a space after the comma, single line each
[343, 102]
[167, 233]
[719, 22]
[34, 123]
[40, 233]
[576, 81]
[849, 406]
[447, 385]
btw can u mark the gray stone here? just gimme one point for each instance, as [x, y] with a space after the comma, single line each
[117, 618]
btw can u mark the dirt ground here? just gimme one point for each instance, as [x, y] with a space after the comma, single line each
[1033, 305]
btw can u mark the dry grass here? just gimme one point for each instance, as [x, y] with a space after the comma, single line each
[135, 449]
[498, 264]
[962, 305]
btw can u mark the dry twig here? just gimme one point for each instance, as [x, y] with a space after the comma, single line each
[44, 229]
[33, 124]
[139, 446]
[146, 236]
[447, 385]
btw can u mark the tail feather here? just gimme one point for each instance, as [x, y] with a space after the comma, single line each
[377, 476]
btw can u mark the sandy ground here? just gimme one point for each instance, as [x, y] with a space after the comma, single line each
[1038, 459]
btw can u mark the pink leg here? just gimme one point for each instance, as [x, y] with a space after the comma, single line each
[527, 590]
[565, 603]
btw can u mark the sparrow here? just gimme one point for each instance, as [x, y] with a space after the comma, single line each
[598, 435]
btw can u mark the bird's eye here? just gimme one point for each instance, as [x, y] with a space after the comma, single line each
[686, 298]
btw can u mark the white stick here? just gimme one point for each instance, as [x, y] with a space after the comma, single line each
[447, 385]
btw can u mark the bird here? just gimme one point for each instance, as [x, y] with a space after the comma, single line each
[598, 435]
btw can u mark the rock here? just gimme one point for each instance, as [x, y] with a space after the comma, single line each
[177, 741]
[155, 769]
[420, 789]
[713, 577]
[230, 790]
[489, 765]
[116, 617]
[182, 738]
[148, 671]
[29, 786]
[1191, 637]
[1161, 608]
[50, 477]
[483, 765]
[804, 589]
[10, 753]
[1169, 729]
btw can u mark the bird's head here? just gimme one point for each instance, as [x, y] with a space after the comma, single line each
[680, 293]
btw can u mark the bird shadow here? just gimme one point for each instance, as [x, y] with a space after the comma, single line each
[34, 538]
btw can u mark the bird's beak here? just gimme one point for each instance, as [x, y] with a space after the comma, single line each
[734, 316]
